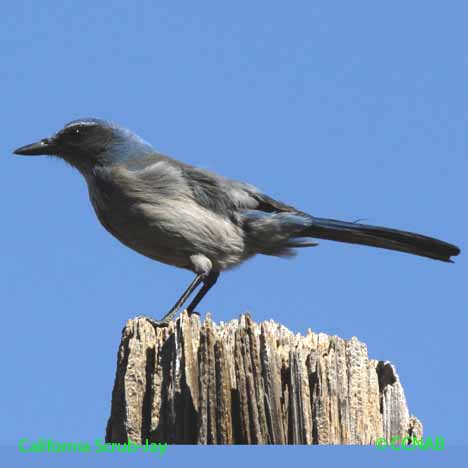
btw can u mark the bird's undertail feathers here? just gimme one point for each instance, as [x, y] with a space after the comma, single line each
[375, 236]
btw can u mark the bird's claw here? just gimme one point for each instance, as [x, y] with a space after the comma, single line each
[157, 323]
[166, 320]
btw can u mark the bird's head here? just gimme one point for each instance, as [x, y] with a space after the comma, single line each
[85, 143]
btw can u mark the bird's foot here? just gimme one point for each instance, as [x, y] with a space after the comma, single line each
[159, 323]
[156, 323]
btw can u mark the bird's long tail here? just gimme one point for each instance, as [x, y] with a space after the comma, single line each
[375, 236]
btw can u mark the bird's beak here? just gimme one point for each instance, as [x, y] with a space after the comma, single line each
[44, 146]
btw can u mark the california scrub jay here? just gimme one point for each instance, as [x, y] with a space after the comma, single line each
[191, 218]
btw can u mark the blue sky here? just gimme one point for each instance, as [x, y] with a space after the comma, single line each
[346, 110]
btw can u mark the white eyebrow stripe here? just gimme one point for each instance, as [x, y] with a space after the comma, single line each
[86, 122]
[80, 124]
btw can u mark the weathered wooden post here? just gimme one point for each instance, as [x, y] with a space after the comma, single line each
[246, 383]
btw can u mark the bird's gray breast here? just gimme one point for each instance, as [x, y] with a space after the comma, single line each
[155, 215]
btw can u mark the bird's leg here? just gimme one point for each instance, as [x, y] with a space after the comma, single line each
[164, 322]
[208, 283]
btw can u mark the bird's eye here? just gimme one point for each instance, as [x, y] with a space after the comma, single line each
[74, 134]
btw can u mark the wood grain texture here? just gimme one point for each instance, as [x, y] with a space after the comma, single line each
[247, 383]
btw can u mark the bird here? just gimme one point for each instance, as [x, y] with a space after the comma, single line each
[194, 219]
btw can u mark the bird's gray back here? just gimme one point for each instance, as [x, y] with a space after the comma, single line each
[170, 211]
